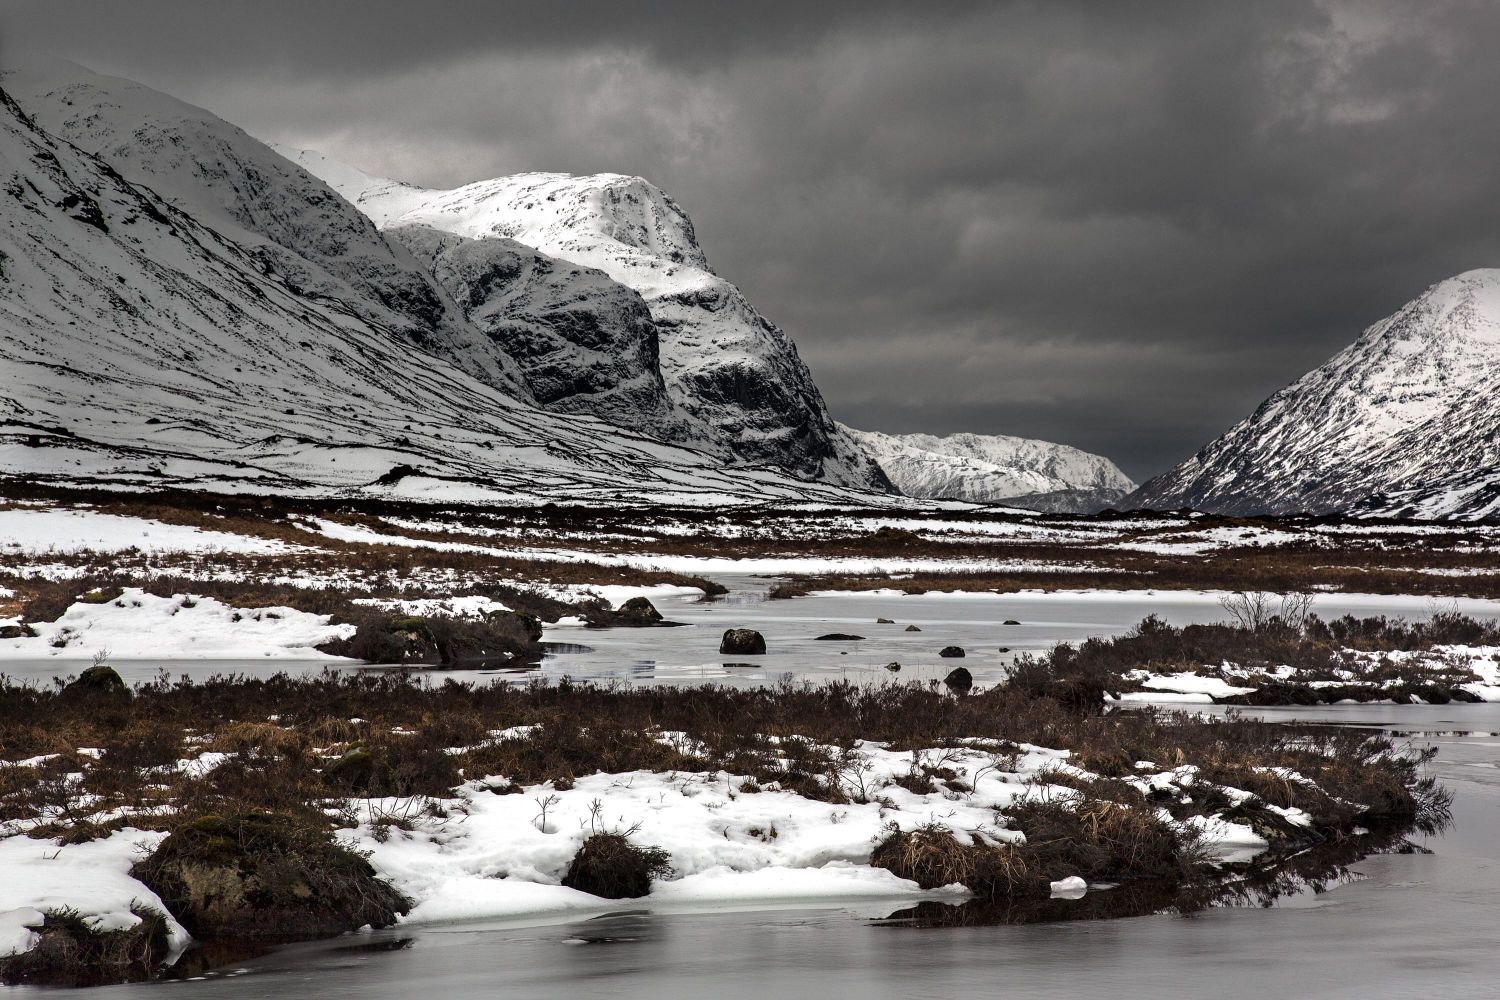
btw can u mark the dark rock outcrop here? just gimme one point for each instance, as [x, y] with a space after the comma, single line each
[742, 642]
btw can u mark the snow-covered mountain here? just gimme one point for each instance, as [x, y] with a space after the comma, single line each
[295, 225]
[992, 467]
[1406, 420]
[144, 348]
[734, 380]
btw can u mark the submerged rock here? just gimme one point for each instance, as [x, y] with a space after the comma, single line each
[839, 637]
[742, 642]
[893, 667]
[1010, 621]
[884, 621]
[951, 651]
[912, 628]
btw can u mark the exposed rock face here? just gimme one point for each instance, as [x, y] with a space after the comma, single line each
[735, 380]
[987, 468]
[1406, 420]
[299, 231]
[584, 343]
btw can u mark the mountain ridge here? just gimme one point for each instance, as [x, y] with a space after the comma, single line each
[145, 349]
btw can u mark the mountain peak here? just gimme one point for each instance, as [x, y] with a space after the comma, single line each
[1412, 404]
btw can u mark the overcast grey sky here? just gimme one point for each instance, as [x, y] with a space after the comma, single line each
[1117, 225]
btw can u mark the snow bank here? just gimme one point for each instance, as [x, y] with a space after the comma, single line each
[139, 625]
[33, 532]
[92, 878]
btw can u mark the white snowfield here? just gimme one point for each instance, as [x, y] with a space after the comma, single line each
[989, 467]
[38, 531]
[766, 565]
[1403, 422]
[502, 856]
[138, 625]
[92, 878]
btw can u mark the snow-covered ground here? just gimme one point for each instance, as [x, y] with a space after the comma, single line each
[32, 531]
[92, 878]
[1230, 679]
[138, 625]
[502, 856]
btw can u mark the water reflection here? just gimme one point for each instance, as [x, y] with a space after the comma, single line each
[1314, 870]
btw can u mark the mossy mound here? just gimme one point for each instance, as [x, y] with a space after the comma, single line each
[102, 678]
[611, 866]
[70, 952]
[259, 875]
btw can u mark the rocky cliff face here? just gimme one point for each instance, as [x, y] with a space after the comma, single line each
[985, 468]
[584, 343]
[1404, 420]
[734, 380]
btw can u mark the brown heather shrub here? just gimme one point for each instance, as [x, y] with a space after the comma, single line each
[933, 857]
[71, 953]
[609, 865]
[1102, 840]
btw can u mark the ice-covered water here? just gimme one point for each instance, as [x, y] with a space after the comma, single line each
[972, 621]
[791, 627]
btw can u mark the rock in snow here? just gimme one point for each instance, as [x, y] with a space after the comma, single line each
[1405, 421]
[987, 468]
[735, 381]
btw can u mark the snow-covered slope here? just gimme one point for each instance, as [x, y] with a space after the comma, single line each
[990, 467]
[1404, 420]
[734, 379]
[144, 348]
[298, 229]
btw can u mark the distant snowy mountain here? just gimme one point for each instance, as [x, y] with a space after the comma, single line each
[734, 380]
[985, 468]
[143, 348]
[1406, 420]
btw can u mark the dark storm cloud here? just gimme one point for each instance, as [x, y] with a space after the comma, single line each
[1116, 225]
